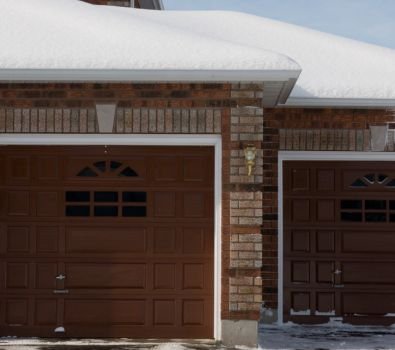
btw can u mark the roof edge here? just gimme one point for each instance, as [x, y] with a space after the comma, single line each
[143, 75]
[314, 102]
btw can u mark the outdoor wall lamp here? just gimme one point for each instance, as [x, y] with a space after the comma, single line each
[250, 155]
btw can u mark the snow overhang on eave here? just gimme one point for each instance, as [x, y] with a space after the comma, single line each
[311, 102]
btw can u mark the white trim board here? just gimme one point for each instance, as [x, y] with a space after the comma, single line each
[318, 102]
[150, 140]
[144, 75]
[310, 156]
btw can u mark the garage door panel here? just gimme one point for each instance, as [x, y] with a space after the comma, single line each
[18, 239]
[196, 171]
[146, 272]
[17, 275]
[325, 272]
[300, 303]
[88, 275]
[47, 239]
[47, 204]
[297, 241]
[339, 241]
[18, 170]
[368, 303]
[165, 275]
[165, 313]
[165, 204]
[106, 240]
[196, 205]
[300, 272]
[325, 303]
[16, 312]
[325, 180]
[166, 169]
[164, 240]
[326, 241]
[194, 240]
[45, 276]
[46, 312]
[193, 312]
[18, 203]
[368, 273]
[325, 210]
[104, 312]
[368, 242]
[298, 179]
[48, 169]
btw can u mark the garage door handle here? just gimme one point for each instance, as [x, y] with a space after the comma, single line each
[61, 291]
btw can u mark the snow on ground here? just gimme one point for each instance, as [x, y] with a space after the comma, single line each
[326, 337]
[70, 34]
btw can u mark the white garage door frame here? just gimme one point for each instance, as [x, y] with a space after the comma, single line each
[147, 140]
[310, 156]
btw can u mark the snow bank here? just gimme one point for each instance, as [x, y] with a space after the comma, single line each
[70, 34]
[169, 346]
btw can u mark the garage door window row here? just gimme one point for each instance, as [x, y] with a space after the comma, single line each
[371, 210]
[106, 203]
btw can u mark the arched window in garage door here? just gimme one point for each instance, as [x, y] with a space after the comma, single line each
[106, 203]
[369, 210]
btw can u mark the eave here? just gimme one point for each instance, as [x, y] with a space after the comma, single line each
[311, 102]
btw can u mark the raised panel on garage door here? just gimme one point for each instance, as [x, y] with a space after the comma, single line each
[107, 242]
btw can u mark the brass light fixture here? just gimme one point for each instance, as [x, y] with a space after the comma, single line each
[250, 155]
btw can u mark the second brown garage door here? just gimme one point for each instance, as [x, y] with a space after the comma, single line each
[106, 242]
[339, 242]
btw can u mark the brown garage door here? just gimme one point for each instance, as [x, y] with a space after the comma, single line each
[339, 241]
[106, 242]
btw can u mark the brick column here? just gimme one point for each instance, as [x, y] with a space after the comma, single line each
[242, 243]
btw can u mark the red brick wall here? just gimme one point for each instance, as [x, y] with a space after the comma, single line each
[126, 95]
[249, 203]
[169, 108]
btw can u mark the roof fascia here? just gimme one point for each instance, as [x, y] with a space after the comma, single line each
[310, 102]
[70, 75]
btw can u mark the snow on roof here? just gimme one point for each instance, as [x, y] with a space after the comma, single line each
[332, 66]
[72, 35]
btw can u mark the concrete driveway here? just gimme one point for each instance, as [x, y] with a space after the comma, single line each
[326, 337]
